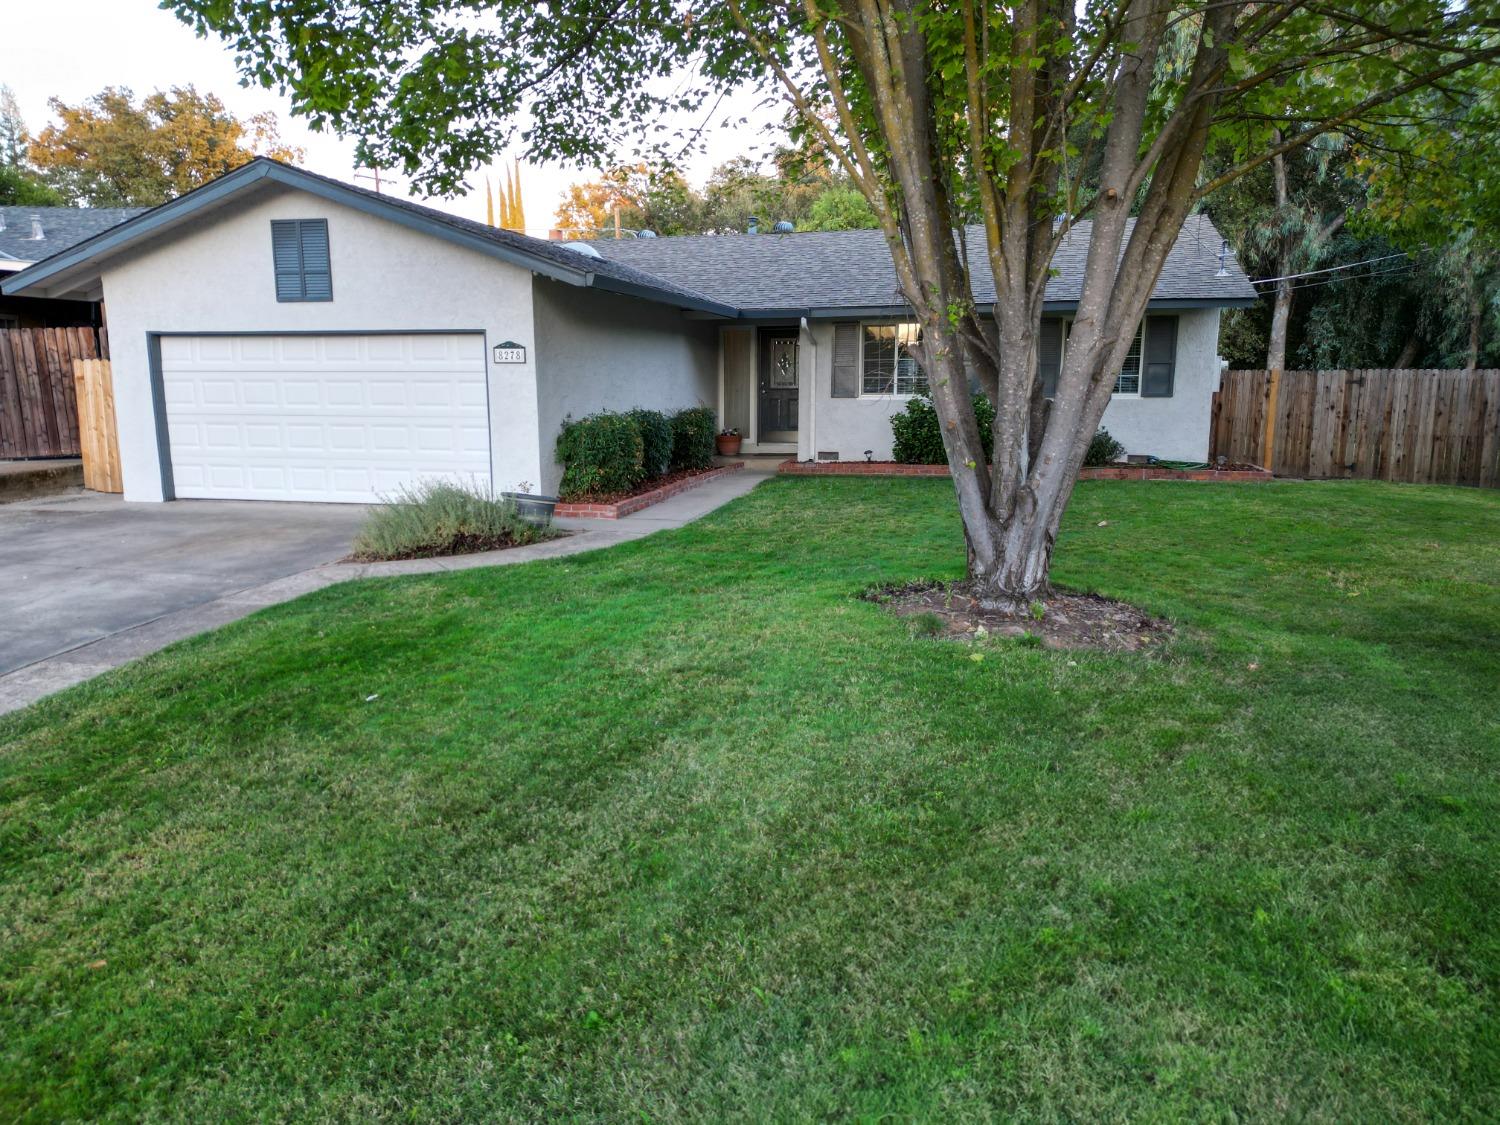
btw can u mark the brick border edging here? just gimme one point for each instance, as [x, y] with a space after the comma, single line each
[632, 504]
[1109, 472]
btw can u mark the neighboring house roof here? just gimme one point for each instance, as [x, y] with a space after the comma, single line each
[80, 265]
[62, 227]
[828, 271]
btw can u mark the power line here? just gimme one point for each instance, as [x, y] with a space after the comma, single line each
[1330, 269]
[1355, 277]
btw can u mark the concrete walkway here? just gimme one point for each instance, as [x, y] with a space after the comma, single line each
[40, 678]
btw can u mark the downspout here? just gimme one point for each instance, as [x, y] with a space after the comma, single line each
[812, 403]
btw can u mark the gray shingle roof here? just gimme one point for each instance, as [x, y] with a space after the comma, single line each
[536, 247]
[852, 269]
[61, 227]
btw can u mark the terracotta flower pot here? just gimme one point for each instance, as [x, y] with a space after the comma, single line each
[729, 444]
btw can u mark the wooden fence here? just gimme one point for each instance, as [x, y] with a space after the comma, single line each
[94, 383]
[38, 400]
[1440, 427]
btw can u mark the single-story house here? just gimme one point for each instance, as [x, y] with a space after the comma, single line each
[278, 335]
[30, 234]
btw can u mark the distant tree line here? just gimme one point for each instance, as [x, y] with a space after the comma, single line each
[114, 151]
[795, 187]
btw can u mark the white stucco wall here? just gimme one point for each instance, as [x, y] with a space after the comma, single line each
[846, 426]
[216, 276]
[599, 351]
[1175, 428]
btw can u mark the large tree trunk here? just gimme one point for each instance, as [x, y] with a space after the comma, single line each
[1409, 351]
[1281, 309]
[1013, 506]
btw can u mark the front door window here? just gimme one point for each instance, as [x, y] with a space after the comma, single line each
[778, 385]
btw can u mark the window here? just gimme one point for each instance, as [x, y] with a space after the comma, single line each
[1128, 381]
[299, 250]
[9, 322]
[886, 366]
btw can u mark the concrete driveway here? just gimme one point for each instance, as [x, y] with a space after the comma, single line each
[77, 568]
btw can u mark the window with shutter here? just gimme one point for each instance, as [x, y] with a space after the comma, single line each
[1049, 356]
[1160, 351]
[845, 361]
[299, 252]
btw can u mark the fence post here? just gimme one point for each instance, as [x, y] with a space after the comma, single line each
[1268, 446]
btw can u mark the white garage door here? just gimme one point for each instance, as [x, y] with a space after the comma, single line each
[342, 418]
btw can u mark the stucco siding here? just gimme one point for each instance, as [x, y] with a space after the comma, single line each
[599, 351]
[846, 426]
[1175, 428]
[215, 275]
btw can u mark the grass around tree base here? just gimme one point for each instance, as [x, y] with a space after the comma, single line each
[683, 830]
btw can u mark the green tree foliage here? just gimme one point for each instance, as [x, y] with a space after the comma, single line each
[19, 188]
[839, 208]
[794, 189]
[111, 151]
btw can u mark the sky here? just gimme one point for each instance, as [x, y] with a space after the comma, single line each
[72, 49]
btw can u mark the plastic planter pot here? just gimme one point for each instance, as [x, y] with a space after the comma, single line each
[535, 510]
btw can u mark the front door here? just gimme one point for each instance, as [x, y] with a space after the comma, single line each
[778, 385]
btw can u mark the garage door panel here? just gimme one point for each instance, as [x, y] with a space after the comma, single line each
[339, 418]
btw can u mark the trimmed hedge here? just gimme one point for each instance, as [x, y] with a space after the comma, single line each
[693, 438]
[656, 441]
[919, 440]
[610, 453]
[600, 454]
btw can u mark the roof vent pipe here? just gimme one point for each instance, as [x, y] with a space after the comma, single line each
[2, 220]
[36, 229]
[1225, 253]
[754, 225]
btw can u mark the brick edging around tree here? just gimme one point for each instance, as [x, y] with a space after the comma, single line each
[632, 504]
[1106, 472]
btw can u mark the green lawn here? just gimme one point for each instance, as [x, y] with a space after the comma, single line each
[684, 830]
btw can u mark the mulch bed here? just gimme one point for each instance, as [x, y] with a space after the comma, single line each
[1068, 620]
[665, 481]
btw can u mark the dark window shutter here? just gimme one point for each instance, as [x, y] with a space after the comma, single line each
[299, 252]
[317, 271]
[1159, 363]
[1049, 355]
[846, 361]
[286, 253]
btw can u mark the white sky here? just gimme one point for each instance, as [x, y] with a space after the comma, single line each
[72, 49]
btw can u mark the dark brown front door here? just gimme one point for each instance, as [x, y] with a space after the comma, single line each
[778, 384]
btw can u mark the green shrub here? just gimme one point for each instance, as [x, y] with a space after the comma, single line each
[436, 518]
[600, 454]
[693, 438]
[656, 440]
[1102, 449]
[919, 439]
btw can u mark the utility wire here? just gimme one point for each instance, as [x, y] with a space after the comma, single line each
[1330, 269]
[1355, 277]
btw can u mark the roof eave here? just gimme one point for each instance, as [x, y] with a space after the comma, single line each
[131, 231]
[664, 296]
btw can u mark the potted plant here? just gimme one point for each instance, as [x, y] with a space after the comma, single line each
[728, 443]
[535, 510]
